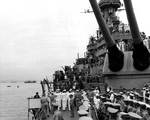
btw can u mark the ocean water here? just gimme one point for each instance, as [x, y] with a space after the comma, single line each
[13, 100]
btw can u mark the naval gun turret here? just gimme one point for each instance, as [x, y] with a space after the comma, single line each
[124, 69]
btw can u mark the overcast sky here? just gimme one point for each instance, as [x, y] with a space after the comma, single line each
[37, 37]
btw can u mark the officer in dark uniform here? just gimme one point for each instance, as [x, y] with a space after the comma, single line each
[36, 95]
[77, 99]
[72, 105]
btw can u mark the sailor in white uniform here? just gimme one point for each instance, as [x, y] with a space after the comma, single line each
[58, 99]
[96, 91]
[96, 102]
[112, 97]
[64, 100]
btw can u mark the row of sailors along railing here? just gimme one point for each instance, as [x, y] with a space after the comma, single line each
[126, 105]
[123, 106]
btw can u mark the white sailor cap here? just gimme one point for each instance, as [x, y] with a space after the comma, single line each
[123, 113]
[136, 93]
[85, 118]
[70, 89]
[141, 103]
[111, 91]
[86, 103]
[107, 103]
[144, 88]
[112, 110]
[116, 104]
[83, 107]
[82, 112]
[134, 115]
[64, 90]
[147, 106]
[131, 94]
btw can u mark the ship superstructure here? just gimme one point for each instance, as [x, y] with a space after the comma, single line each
[96, 49]
[89, 69]
[123, 68]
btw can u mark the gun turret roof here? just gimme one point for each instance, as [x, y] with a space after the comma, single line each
[112, 3]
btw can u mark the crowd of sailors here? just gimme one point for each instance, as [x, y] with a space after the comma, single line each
[92, 105]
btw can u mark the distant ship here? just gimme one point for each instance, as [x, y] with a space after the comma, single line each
[30, 81]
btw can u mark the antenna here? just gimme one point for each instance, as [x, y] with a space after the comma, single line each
[119, 10]
[78, 56]
[87, 11]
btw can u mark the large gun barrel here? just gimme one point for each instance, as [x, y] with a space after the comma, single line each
[115, 56]
[141, 56]
[102, 24]
[132, 22]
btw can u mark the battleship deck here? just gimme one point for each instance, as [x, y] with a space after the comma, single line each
[66, 116]
[35, 103]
